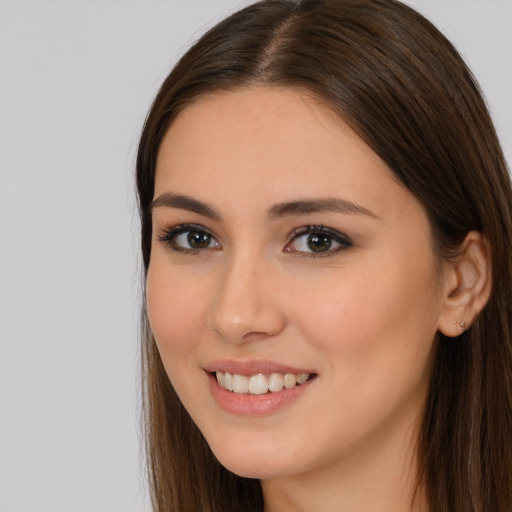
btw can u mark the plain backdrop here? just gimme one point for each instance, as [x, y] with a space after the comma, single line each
[77, 78]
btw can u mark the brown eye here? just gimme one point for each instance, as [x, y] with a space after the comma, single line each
[319, 242]
[188, 237]
[198, 239]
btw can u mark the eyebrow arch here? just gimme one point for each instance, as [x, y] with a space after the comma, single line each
[308, 206]
[170, 200]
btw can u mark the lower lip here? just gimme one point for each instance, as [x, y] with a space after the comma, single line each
[255, 405]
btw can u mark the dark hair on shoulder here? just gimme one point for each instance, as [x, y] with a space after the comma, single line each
[404, 89]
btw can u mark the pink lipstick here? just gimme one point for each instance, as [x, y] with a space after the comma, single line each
[256, 387]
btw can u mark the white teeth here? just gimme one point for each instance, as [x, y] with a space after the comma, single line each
[302, 377]
[240, 384]
[259, 384]
[275, 382]
[289, 380]
[228, 381]
[221, 379]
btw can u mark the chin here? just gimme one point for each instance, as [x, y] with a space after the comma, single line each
[255, 461]
[261, 470]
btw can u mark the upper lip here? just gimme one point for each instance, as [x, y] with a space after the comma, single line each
[252, 367]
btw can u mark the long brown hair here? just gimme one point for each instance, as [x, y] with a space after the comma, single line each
[405, 90]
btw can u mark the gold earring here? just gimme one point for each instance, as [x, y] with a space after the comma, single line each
[462, 325]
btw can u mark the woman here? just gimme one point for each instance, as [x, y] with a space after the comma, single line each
[326, 238]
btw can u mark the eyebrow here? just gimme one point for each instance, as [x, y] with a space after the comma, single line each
[299, 207]
[170, 200]
[308, 206]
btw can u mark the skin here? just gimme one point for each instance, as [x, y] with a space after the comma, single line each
[362, 316]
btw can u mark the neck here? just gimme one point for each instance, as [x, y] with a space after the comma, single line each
[380, 478]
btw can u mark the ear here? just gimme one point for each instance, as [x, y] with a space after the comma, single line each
[466, 285]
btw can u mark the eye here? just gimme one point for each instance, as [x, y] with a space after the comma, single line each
[317, 240]
[188, 237]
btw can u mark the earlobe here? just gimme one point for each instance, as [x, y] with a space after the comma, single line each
[467, 285]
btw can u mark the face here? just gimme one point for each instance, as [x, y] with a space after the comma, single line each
[288, 264]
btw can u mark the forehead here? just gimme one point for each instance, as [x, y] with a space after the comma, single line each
[263, 115]
[270, 144]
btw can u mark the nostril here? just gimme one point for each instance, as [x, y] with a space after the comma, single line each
[253, 336]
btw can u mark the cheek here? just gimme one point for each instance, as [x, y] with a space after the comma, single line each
[377, 339]
[379, 318]
[177, 311]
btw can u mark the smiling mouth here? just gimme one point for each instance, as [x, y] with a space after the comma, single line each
[260, 383]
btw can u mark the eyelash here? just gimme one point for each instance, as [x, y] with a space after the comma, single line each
[335, 236]
[170, 235]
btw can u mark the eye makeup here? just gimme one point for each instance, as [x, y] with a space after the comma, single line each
[308, 241]
[317, 241]
[188, 238]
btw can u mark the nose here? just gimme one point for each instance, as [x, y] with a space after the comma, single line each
[247, 302]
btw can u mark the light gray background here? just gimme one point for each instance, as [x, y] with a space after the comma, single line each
[76, 80]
